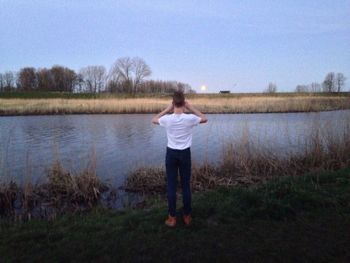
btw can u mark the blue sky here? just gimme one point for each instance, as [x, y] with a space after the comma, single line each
[236, 45]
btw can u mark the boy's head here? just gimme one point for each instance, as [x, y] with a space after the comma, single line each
[178, 99]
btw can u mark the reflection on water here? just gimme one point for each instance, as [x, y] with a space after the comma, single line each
[120, 143]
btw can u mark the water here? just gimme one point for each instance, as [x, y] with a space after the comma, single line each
[121, 143]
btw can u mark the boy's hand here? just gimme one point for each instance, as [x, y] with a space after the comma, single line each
[170, 108]
[196, 112]
[188, 105]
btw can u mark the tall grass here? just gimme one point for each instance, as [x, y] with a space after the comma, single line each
[211, 104]
[61, 191]
[247, 163]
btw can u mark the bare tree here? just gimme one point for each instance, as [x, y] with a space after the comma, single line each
[129, 72]
[340, 81]
[9, 80]
[79, 83]
[45, 80]
[2, 83]
[312, 88]
[301, 88]
[329, 82]
[159, 86]
[27, 79]
[271, 88]
[63, 78]
[141, 70]
[315, 87]
[121, 73]
[70, 78]
[57, 74]
[93, 78]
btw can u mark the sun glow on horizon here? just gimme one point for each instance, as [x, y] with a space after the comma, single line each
[203, 88]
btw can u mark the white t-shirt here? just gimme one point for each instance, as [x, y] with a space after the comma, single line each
[179, 129]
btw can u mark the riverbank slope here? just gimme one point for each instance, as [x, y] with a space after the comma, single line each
[208, 103]
[291, 219]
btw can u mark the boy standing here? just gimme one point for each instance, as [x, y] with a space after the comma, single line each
[178, 155]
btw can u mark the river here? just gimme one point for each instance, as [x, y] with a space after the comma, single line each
[120, 143]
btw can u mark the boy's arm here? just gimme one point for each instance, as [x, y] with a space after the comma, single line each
[196, 112]
[155, 119]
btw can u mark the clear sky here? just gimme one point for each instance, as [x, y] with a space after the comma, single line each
[224, 44]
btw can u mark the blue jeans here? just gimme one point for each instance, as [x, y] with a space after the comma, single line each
[178, 161]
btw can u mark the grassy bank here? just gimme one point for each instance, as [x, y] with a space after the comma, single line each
[213, 103]
[294, 219]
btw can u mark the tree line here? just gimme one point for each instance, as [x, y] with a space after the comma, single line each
[127, 75]
[333, 82]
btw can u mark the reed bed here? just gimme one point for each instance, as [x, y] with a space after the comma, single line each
[245, 104]
[245, 163]
[60, 192]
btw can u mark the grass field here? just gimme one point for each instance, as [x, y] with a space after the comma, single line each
[66, 103]
[292, 219]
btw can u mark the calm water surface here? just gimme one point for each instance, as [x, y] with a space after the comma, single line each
[121, 143]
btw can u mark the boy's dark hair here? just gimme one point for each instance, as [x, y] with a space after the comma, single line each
[178, 99]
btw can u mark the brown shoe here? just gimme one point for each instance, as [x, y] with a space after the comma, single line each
[171, 221]
[187, 219]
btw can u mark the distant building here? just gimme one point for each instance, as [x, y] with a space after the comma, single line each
[225, 91]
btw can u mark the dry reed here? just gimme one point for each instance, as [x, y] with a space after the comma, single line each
[245, 164]
[253, 104]
[61, 192]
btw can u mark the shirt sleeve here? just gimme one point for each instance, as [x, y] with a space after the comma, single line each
[195, 120]
[163, 121]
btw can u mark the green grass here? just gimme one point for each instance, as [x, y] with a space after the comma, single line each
[300, 219]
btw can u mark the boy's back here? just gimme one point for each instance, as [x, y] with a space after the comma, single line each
[179, 129]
